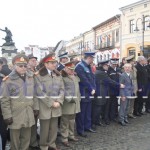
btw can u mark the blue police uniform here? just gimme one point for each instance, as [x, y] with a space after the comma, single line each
[60, 65]
[87, 84]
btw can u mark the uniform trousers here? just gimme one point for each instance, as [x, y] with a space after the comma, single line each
[48, 133]
[83, 119]
[0, 143]
[113, 113]
[33, 140]
[20, 138]
[96, 114]
[3, 131]
[123, 110]
[67, 127]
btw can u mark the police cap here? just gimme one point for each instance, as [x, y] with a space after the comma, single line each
[64, 55]
[90, 54]
[130, 58]
[114, 60]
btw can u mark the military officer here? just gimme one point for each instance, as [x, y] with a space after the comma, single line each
[63, 59]
[18, 103]
[114, 73]
[71, 105]
[87, 89]
[50, 91]
[32, 64]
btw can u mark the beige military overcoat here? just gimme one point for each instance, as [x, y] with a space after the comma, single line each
[18, 101]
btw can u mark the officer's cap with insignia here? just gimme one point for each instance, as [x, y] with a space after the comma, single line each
[70, 65]
[103, 62]
[114, 61]
[89, 54]
[130, 58]
[20, 59]
[64, 55]
[49, 58]
[32, 56]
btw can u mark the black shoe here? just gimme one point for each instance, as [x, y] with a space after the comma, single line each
[82, 135]
[35, 147]
[147, 111]
[90, 130]
[101, 124]
[131, 116]
[126, 121]
[137, 114]
[107, 123]
[142, 113]
[94, 126]
[123, 123]
[66, 144]
[115, 120]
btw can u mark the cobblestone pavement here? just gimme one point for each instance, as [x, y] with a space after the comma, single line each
[135, 136]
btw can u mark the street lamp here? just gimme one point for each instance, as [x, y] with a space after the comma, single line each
[143, 29]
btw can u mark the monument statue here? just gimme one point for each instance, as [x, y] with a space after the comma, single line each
[8, 37]
[9, 49]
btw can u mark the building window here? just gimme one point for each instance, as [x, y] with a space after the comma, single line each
[145, 5]
[9, 54]
[131, 52]
[108, 56]
[146, 22]
[131, 9]
[101, 57]
[117, 35]
[132, 26]
[97, 58]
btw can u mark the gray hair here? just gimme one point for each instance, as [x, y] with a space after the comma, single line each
[140, 58]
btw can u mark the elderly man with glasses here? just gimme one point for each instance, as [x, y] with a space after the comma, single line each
[18, 103]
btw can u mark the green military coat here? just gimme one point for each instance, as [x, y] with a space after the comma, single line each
[72, 99]
[49, 89]
[18, 101]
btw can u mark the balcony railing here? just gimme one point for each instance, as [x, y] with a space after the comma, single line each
[104, 46]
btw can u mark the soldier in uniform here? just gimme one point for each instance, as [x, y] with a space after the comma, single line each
[50, 91]
[32, 64]
[114, 73]
[87, 89]
[71, 105]
[18, 103]
[63, 59]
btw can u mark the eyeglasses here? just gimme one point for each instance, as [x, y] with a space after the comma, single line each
[21, 66]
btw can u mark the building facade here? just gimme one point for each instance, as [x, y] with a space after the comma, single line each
[80, 44]
[136, 29]
[39, 52]
[107, 39]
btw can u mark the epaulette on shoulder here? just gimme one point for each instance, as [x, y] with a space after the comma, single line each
[36, 73]
[5, 78]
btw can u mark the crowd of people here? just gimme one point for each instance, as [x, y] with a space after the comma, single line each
[68, 96]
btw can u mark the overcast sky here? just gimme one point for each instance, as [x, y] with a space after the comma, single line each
[45, 22]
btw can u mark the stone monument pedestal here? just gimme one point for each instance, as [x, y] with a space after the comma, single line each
[9, 51]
